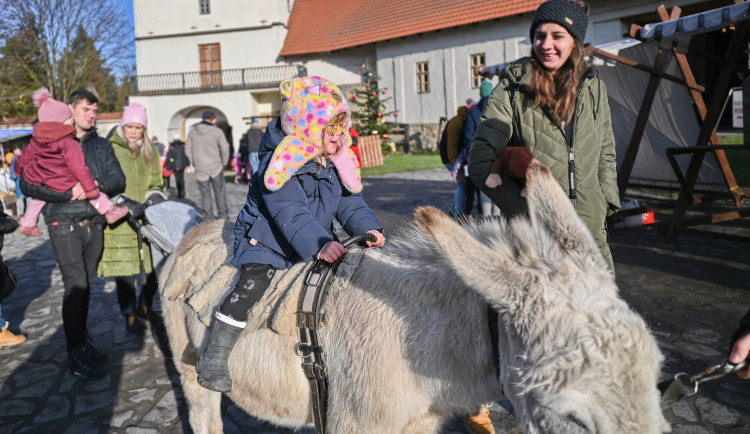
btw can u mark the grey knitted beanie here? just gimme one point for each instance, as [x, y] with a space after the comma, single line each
[564, 13]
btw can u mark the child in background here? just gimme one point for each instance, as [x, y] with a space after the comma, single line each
[54, 158]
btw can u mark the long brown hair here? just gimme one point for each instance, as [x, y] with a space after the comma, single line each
[557, 90]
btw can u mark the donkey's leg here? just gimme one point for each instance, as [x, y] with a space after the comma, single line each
[426, 424]
[204, 406]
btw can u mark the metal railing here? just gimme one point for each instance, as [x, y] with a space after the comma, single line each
[213, 81]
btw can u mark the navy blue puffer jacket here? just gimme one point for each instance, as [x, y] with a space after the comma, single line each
[293, 223]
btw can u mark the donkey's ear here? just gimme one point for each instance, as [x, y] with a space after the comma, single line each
[551, 209]
[490, 272]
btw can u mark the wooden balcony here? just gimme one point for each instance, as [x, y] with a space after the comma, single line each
[215, 81]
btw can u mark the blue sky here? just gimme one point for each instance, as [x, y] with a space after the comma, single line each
[126, 7]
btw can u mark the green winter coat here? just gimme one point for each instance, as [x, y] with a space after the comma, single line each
[120, 256]
[593, 146]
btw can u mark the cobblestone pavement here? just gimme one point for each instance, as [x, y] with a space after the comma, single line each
[691, 293]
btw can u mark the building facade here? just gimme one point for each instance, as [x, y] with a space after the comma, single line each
[231, 55]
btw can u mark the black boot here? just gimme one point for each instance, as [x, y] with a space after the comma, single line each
[213, 372]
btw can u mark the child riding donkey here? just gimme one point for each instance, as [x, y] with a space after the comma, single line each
[310, 177]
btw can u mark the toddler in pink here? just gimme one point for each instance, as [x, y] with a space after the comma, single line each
[54, 158]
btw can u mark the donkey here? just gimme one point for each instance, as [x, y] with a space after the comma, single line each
[408, 346]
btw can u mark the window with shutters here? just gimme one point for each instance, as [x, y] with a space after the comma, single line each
[205, 6]
[423, 78]
[476, 61]
[210, 59]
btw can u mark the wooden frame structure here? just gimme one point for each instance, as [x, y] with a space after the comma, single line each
[707, 141]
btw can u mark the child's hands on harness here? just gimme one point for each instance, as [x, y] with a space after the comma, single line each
[379, 239]
[332, 251]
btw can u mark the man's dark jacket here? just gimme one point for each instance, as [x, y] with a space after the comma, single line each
[105, 168]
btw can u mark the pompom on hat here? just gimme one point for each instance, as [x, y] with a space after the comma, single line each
[134, 114]
[562, 12]
[50, 110]
[309, 103]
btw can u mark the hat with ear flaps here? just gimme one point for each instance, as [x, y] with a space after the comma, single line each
[309, 104]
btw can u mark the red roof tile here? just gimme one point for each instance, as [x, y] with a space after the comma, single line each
[319, 26]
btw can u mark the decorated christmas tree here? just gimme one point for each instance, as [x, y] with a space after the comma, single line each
[368, 107]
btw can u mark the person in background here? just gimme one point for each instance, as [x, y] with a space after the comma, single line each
[473, 113]
[122, 258]
[54, 158]
[7, 284]
[254, 136]
[20, 197]
[159, 146]
[208, 150]
[242, 167]
[741, 345]
[76, 232]
[177, 161]
[355, 145]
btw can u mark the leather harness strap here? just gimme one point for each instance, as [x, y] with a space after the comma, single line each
[309, 319]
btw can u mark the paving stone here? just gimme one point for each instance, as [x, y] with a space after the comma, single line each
[163, 413]
[16, 407]
[140, 395]
[682, 410]
[36, 389]
[119, 420]
[93, 402]
[716, 413]
[690, 429]
[55, 408]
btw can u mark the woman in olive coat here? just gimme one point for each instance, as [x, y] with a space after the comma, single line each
[554, 105]
[139, 160]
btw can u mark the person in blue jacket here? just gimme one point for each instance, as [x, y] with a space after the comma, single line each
[308, 177]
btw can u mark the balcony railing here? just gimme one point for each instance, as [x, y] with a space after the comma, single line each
[213, 81]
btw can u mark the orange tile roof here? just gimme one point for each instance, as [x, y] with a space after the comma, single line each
[320, 26]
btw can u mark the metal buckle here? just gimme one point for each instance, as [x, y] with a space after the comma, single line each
[300, 349]
[315, 273]
[717, 371]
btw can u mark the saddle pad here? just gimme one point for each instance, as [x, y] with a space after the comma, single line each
[277, 310]
[201, 276]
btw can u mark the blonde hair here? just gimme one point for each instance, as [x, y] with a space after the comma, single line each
[143, 146]
[557, 90]
[335, 123]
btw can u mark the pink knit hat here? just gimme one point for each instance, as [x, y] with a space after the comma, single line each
[134, 114]
[50, 110]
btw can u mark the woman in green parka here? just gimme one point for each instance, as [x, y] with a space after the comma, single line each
[139, 160]
[554, 105]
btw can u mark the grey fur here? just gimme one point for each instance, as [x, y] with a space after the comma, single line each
[408, 347]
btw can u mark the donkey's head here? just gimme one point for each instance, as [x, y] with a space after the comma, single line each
[574, 357]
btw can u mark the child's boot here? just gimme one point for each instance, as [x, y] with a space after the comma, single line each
[29, 230]
[115, 213]
[8, 339]
[212, 367]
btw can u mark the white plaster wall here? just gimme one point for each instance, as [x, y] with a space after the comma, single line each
[339, 68]
[180, 53]
[160, 17]
[448, 55]
[174, 114]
